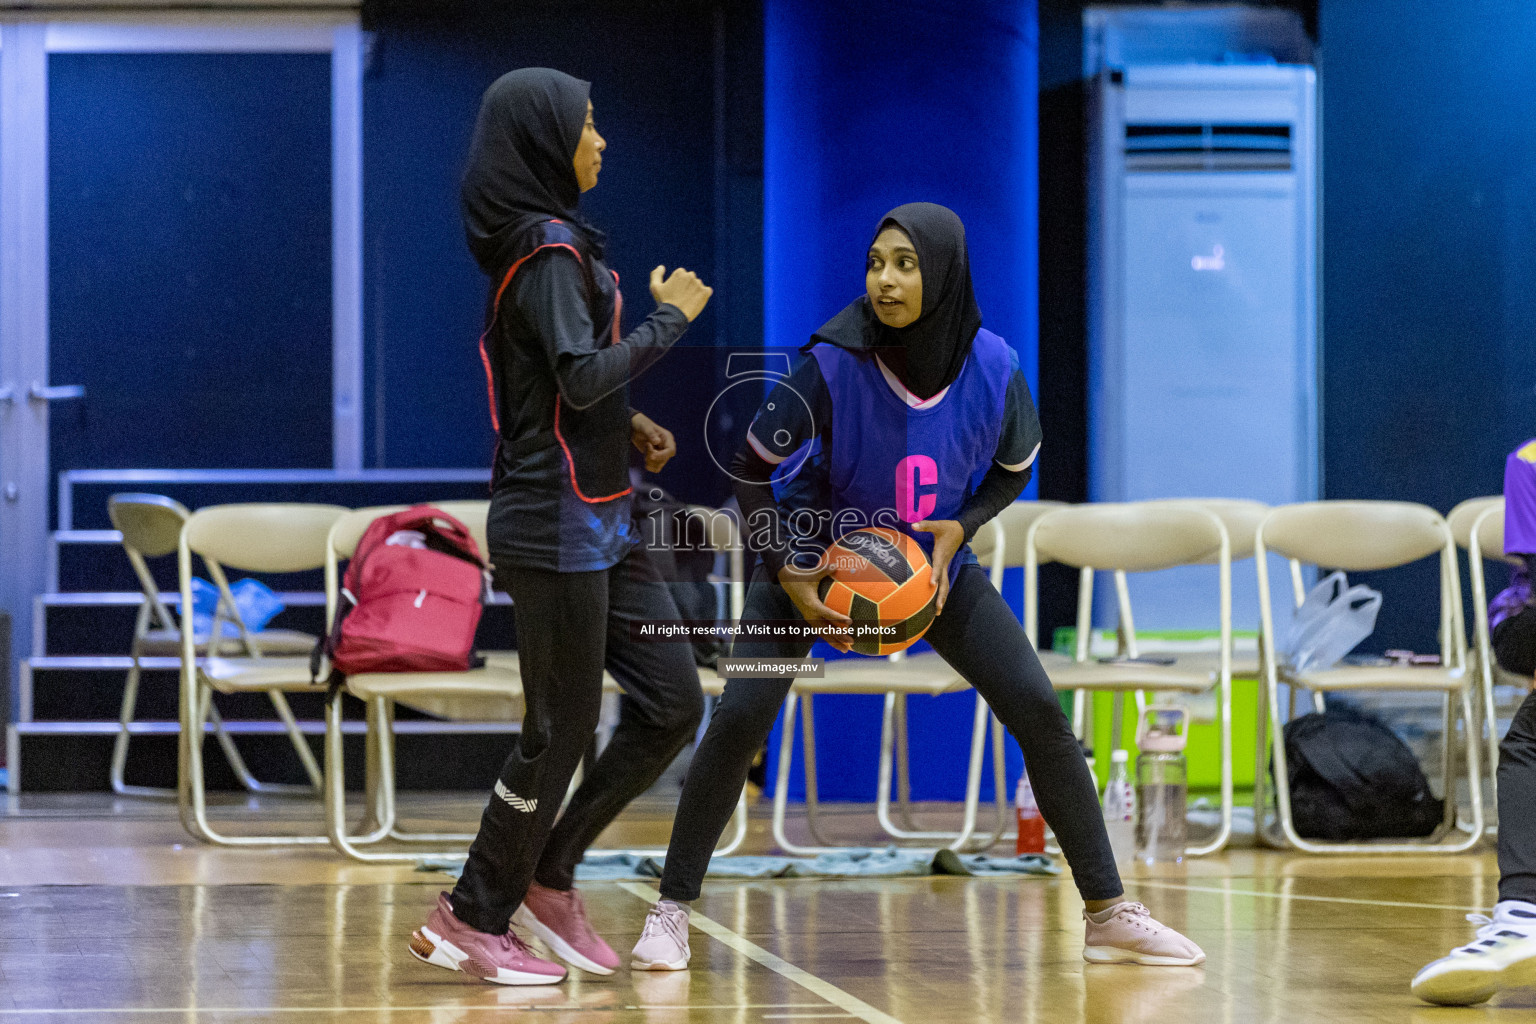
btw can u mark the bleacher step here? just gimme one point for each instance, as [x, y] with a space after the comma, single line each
[87, 537]
[75, 756]
[112, 598]
[240, 727]
[99, 663]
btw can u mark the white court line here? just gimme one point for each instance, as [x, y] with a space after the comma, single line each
[805, 979]
[56, 1011]
[247, 1011]
[1295, 896]
[732, 1006]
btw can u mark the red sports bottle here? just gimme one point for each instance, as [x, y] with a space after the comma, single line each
[1027, 813]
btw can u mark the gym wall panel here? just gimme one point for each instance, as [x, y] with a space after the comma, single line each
[189, 244]
[867, 106]
[1429, 260]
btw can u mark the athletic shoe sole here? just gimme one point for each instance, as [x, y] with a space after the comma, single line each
[659, 965]
[525, 919]
[1465, 985]
[431, 948]
[1116, 955]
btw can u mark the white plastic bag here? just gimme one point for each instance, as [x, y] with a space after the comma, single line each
[1330, 623]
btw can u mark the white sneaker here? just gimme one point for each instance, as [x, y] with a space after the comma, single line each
[1129, 935]
[1502, 956]
[663, 945]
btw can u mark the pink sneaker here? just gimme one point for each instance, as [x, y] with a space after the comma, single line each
[560, 920]
[445, 941]
[1131, 936]
[663, 944]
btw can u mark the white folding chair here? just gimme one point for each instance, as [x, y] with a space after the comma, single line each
[1363, 536]
[490, 693]
[874, 677]
[1241, 517]
[261, 538]
[1131, 538]
[150, 525]
[1483, 521]
[999, 545]
[493, 692]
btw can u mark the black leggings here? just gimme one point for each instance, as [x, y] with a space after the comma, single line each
[1517, 806]
[1514, 643]
[979, 637]
[569, 626]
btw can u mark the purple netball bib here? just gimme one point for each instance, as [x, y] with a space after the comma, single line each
[896, 460]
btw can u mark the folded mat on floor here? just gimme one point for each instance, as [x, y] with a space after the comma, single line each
[891, 862]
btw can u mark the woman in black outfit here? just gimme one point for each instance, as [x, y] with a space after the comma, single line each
[560, 533]
[904, 377]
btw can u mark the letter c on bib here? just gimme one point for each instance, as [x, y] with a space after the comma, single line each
[912, 473]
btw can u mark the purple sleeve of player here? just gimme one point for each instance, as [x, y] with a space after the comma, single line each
[1520, 500]
[1519, 531]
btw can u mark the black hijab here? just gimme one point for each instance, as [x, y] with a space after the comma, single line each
[927, 354]
[520, 169]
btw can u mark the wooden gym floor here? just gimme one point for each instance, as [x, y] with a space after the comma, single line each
[109, 913]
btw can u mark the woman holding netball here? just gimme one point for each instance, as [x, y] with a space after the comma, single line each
[560, 534]
[903, 402]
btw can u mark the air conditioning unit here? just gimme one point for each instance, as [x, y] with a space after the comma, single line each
[1203, 313]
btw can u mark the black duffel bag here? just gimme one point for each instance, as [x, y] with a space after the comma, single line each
[1352, 778]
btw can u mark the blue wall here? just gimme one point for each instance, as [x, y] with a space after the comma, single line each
[866, 107]
[1429, 268]
[653, 98]
[190, 251]
[190, 229]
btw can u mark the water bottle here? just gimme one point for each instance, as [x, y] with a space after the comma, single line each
[1027, 815]
[1162, 786]
[1120, 808]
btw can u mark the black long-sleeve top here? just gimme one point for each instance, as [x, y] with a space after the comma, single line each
[546, 345]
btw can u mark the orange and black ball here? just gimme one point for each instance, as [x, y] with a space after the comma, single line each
[881, 579]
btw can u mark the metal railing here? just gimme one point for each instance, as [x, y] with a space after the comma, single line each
[71, 477]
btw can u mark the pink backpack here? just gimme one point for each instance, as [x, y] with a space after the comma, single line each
[411, 598]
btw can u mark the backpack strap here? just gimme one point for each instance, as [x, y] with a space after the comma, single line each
[325, 647]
